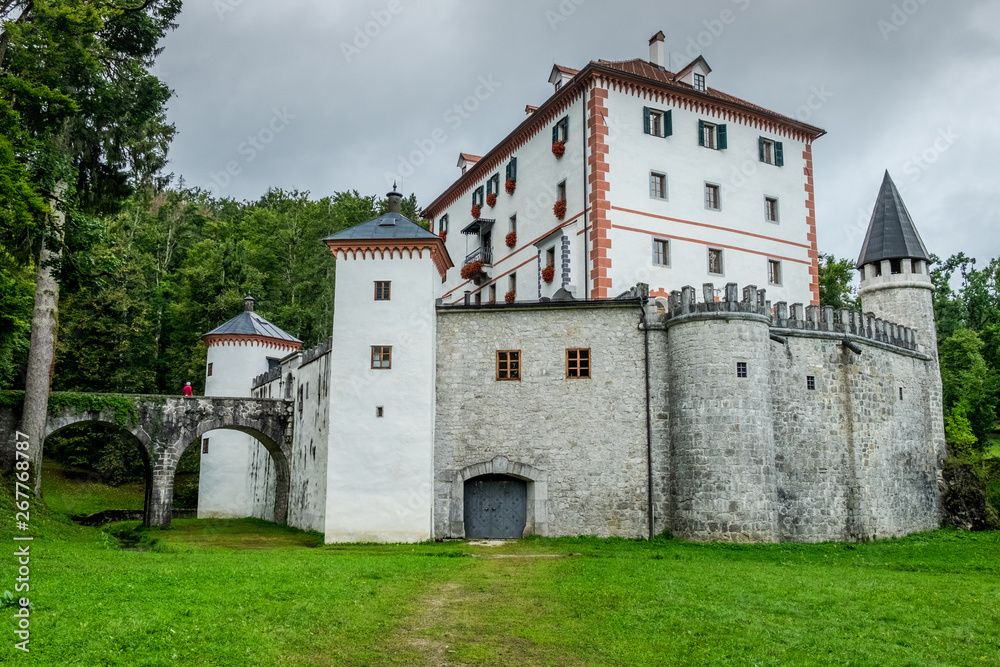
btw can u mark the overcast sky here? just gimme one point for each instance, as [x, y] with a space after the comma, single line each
[333, 96]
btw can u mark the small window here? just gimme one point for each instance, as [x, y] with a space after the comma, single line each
[379, 412]
[771, 209]
[560, 131]
[493, 293]
[210, 368]
[895, 266]
[661, 252]
[811, 382]
[771, 152]
[878, 269]
[493, 185]
[512, 284]
[307, 391]
[699, 82]
[513, 224]
[657, 185]
[512, 169]
[382, 356]
[900, 393]
[578, 363]
[715, 261]
[561, 191]
[508, 364]
[914, 266]
[443, 224]
[478, 197]
[712, 200]
[741, 369]
[550, 257]
[204, 446]
[382, 290]
[773, 272]
[478, 299]
[657, 123]
[712, 136]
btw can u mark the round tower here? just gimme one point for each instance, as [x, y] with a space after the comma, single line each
[723, 484]
[238, 351]
[895, 269]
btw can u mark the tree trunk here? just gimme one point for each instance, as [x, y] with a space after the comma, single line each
[41, 354]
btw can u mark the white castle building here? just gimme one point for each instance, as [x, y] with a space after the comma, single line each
[590, 401]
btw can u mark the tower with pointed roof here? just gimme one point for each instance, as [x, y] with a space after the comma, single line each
[383, 363]
[895, 269]
[239, 350]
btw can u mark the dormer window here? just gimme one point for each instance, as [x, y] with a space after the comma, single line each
[699, 82]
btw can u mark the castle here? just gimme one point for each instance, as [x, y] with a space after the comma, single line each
[603, 396]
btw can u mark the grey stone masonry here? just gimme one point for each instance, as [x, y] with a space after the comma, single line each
[813, 318]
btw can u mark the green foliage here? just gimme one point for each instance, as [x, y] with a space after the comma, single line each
[958, 428]
[836, 286]
[969, 384]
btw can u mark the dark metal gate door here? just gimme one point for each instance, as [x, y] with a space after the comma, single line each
[495, 507]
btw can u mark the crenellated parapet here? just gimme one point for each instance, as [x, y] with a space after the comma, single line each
[842, 321]
[684, 302]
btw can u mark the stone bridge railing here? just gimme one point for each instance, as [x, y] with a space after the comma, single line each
[164, 426]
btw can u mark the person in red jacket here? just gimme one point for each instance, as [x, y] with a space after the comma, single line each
[188, 391]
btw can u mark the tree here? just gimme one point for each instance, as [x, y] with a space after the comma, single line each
[835, 283]
[970, 386]
[85, 120]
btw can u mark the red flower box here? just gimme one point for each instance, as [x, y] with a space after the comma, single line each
[443, 235]
[476, 210]
[511, 239]
[472, 270]
[510, 296]
[560, 209]
[491, 199]
[549, 273]
[510, 185]
[559, 148]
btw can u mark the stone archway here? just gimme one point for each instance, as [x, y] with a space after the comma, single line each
[537, 493]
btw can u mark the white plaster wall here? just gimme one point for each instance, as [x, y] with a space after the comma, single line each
[380, 470]
[748, 240]
[223, 482]
[538, 174]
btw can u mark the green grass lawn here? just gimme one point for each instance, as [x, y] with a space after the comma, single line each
[250, 593]
[72, 491]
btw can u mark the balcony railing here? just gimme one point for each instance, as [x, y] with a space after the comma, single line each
[481, 253]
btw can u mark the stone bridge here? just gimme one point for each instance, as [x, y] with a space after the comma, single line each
[165, 426]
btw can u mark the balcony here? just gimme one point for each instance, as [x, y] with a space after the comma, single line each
[482, 253]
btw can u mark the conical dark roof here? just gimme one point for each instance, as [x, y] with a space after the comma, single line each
[391, 226]
[891, 234]
[249, 323]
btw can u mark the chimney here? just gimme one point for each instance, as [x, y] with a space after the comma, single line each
[395, 201]
[528, 110]
[656, 55]
[248, 303]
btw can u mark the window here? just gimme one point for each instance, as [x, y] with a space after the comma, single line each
[661, 252]
[550, 257]
[771, 152]
[578, 363]
[914, 266]
[657, 123]
[382, 289]
[443, 224]
[512, 169]
[513, 224]
[715, 261]
[382, 356]
[811, 383]
[477, 196]
[479, 298]
[560, 131]
[657, 185]
[493, 185]
[508, 364]
[210, 369]
[379, 412]
[699, 82]
[878, 269]
[900, 393]
[711, 135]
[771, 209]
[712, 201]
[493, 293]
[204, 446]
[512, 283]
[561, 191]
[741, 369]
[773, 272]
[895, 266]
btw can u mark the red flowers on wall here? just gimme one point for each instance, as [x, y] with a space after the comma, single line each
[511, 239]
[560, 209]
[549, 273]
[559, 148]
[510, 296]
[510, 185]
[472, 270]
[491, 199]
[476, 210]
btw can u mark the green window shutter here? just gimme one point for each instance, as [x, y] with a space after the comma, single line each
[723, 142]
[513, 168]
[779, 154]
[760, 148]
[645, 121]
[508, 168]
[668, 123]
[565, 124]
[555, 133]
[489, 187]
[701, 133]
